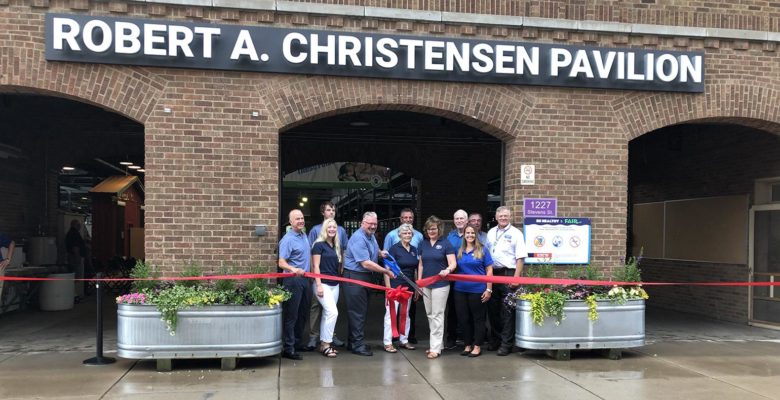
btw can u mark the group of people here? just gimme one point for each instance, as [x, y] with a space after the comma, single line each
[466, 250]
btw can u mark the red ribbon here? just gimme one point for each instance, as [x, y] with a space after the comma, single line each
[401, 295]
[422, 282]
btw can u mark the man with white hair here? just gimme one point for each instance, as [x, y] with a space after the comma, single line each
[507, 246]
[360, 259]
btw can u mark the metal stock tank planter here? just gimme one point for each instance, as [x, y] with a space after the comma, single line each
[618, 326]
[561, 318]
[202, 318]
[217, 331]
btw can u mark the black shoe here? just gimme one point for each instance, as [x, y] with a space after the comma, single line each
[450, 345]
[413, 340]
[465, 353]
[292, 356]
[363, 351]
[503, 351]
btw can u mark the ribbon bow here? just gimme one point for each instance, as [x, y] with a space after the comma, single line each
[400, 294]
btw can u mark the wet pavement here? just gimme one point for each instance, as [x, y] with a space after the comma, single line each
[687, 357]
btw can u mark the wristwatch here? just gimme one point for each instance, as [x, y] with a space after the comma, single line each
[489, 290]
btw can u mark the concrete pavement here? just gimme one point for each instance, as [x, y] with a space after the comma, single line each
[687, 357]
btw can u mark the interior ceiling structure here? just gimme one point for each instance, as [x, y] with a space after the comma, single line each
[53, 132]
[375, 136]
[84, 136]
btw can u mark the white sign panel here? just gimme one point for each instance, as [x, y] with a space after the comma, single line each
[527, 174]
[557, 240]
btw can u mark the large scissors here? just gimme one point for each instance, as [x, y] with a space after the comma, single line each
[392, 265]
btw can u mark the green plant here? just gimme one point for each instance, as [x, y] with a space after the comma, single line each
[545, 304]
[169, 297]
[630, 271]
[191, 270]
[549, 300]
[225, 285]
[145, 274]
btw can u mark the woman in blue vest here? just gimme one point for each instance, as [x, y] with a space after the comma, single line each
[326, 260]
[437, 257]
[471, 297]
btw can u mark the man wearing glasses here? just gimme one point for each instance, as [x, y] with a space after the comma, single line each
[507, 246]
[360, 259]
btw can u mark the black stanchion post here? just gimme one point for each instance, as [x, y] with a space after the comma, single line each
[99, 359]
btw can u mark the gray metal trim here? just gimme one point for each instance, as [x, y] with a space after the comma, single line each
[478, 19]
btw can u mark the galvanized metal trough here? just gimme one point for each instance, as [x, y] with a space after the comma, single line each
[220, 331]
[619, 326]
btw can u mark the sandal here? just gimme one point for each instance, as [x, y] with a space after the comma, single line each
[431, 355]
[407, 346]
[390, 349]
[329, 352]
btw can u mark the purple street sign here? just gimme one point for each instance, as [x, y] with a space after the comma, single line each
[540, 207]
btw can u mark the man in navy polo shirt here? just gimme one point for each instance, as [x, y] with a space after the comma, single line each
[360, 259]
[295, 257]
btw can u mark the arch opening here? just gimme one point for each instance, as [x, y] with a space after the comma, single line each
[389, 160]
[54, 151]
[693, 191]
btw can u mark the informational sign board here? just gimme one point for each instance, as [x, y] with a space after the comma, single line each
[540, 207]
[557, 240]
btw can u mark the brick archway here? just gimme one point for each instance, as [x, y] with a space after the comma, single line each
[131, 92]
[495, 110]
[744, 104]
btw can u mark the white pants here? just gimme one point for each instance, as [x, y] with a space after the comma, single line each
[388, 337]
[330, 313]
[435, 304]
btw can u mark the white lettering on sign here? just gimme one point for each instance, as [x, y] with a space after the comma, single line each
[128, 38]
[227, 47]
[244, 47]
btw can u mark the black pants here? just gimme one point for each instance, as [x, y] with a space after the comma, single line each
[412, 319]
[296, 311]
[471, 317]
[356, 297]
[502, 318]
[453, 327]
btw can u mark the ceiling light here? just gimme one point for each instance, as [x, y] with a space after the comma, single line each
[134, 167]
[67, 168]
[126, 163]
[300, 204]
[141, 170]
[305, 199]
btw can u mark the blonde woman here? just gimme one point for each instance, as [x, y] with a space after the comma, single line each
[437, 257]
[326, 260]
[471, 297]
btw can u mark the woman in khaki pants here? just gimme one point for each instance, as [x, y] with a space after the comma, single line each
[437, 257]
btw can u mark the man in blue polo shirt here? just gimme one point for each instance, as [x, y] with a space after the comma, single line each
[406, 217]
[360, 259]
[295, 257]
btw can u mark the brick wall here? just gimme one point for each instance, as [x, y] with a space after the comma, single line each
[754, 15]
[724, 303]
[212, 168]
